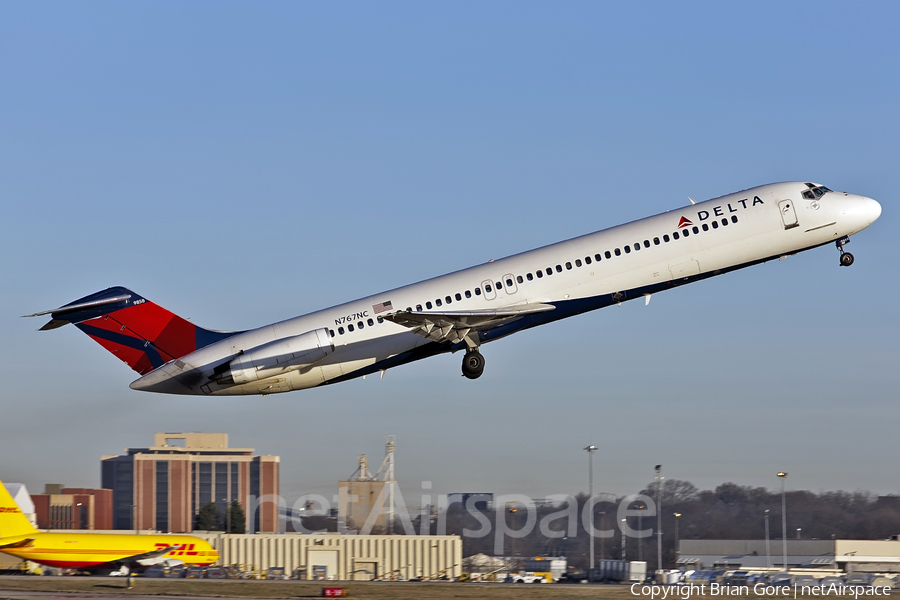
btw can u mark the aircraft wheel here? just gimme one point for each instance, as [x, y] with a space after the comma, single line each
[846, 259]
[473, 365]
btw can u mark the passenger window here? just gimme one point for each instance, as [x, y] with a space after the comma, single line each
[587, 259]
[724, 221]
[331, 331]
[646, 243]
[458, 296]
[380, 320]
[656, 241]
[549, 271]
[499, 285]
[685, 232]
[559, 268]
[606, 254]
[539, 274]
[627, 249]
[695, 229]
[477, 291]
[618, 252]
[705, 227]
[519, 279]
[568, 266]
[341, 330]
[509, 283]
[637, 246]
[529, 276]
[666, 238]
[438, 302]
[715, 224]
[674, 235]
[733, 219]
[349, 327]
[488, 289]
[409, 309]
[418, 308]
[371, 322]
[448, 299]
[360, 325]
[428, 305]
[577, 262]
[597, 256]
[468, 294]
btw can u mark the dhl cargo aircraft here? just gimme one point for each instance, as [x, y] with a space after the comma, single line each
[95, 551]
[469, 308]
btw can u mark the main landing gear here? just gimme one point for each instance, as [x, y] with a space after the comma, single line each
[472, 364]
[846, 257]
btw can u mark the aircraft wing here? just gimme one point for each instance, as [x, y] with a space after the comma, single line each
[454, 325]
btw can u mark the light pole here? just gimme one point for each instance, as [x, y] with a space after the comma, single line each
[641, 508]
[768, 555]
[782, 475]
[677, 516]
[798, 532]
[623, 539]
[659, 481]
[590, 450]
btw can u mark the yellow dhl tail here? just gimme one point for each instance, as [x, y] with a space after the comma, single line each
[13, 521]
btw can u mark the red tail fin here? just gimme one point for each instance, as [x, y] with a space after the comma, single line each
[140, 333]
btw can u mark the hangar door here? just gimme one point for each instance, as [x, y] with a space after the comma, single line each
[322, 564]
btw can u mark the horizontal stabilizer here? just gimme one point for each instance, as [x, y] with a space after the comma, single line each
[20, 544]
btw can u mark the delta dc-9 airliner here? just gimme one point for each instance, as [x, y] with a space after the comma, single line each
[464, 310]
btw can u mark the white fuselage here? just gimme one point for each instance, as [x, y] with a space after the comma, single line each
[751, 226]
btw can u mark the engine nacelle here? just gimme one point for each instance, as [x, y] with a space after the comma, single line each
[280, 356]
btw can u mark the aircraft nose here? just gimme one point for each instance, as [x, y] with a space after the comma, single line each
[872, 209]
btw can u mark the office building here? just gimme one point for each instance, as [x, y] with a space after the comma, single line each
[162, 487]
[73, 508]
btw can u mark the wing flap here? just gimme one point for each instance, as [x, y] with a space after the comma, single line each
[457, 325]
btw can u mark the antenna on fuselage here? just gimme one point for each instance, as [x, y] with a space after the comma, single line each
[692, 200]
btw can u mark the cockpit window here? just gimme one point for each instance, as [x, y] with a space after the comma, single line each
[815, 191]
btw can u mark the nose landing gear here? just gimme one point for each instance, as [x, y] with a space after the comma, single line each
[846, 257]
[473, 364]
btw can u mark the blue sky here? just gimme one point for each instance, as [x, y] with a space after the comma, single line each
[241, 163]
